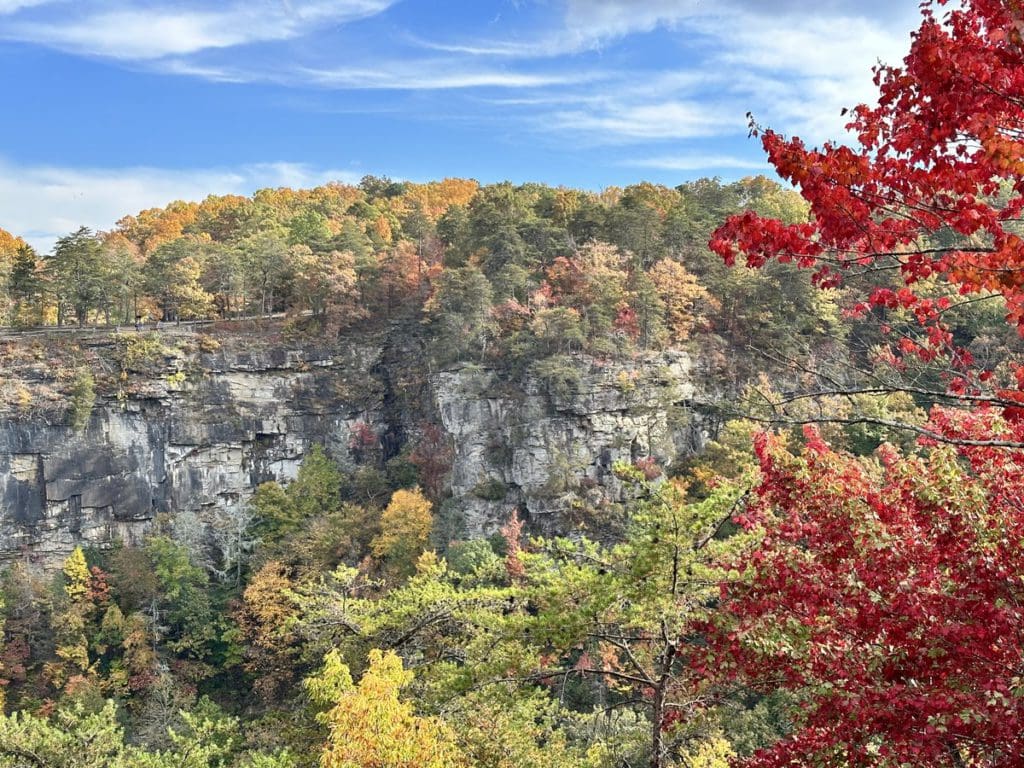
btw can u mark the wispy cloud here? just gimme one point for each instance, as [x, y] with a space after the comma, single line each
[130, 32]
[614, 122]
[696, 162]
[12, 6]
[383, 75]
[432, 76]
[209, 41]
[795, 70]
[42, 203]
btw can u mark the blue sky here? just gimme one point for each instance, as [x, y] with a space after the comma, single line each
[117, 105]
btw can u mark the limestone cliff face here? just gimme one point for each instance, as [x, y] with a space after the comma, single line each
[198, 446]
[200, 443]
[547, 452]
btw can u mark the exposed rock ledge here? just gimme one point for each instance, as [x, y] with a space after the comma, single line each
[204, 445]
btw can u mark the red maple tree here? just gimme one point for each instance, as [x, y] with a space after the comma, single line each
[942, 153]
[887, 594]
[888, 597]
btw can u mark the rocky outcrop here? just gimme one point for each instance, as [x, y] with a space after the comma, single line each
[546, 452]
[200, 444]
[201, 434]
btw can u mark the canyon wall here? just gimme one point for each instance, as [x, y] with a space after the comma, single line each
[199, 432]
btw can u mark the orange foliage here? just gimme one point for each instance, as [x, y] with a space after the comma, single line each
[685, 298]
[437, 197]
[154, 226]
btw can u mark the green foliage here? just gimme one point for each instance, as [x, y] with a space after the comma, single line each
[75, 738]
[138, 352]
[474, 557]
[560, 376]
[491, 489]
[76, 271]
[317, 487]
[184, 603]
[81, 400]
[315, 492]
[274, 513]
[460, 310]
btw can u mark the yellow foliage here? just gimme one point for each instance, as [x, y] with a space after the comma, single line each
[437, 197]
[155, 226]
[267, 604]
[716, 752]
[9, 244]
[405, 528]
[685, 298]
[371, 727]
[76, 575]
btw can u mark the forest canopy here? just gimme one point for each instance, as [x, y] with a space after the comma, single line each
[846, 593]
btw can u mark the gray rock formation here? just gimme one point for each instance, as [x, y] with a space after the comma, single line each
[199, 446]
[544, 452]
[202, 444]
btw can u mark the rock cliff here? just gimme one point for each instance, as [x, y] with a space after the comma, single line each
[197, 432]
[547, 452]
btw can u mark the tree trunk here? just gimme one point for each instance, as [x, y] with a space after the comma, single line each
[657, 741]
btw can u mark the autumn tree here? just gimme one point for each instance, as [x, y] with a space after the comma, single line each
[432, 456]
[265, 259]
[594, 282]
[885, 594]
[371, 726]
[122, 264]
[265, 616]
[224, 278]
[9, 247]
[405, 529]
[172, 274]
[323, 282]
[884, 591]
[70, 620]
[929, 189]
[151, 228]
[685, 299]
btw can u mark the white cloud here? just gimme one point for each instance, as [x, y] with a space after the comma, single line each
[193, 40]
[133, 33]
[394, 75]
[795, 73]
[42, 203]
[594, 22]
[695, 162]
[428, 76]
[591, 22]
[618, 122]
[794, 69]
